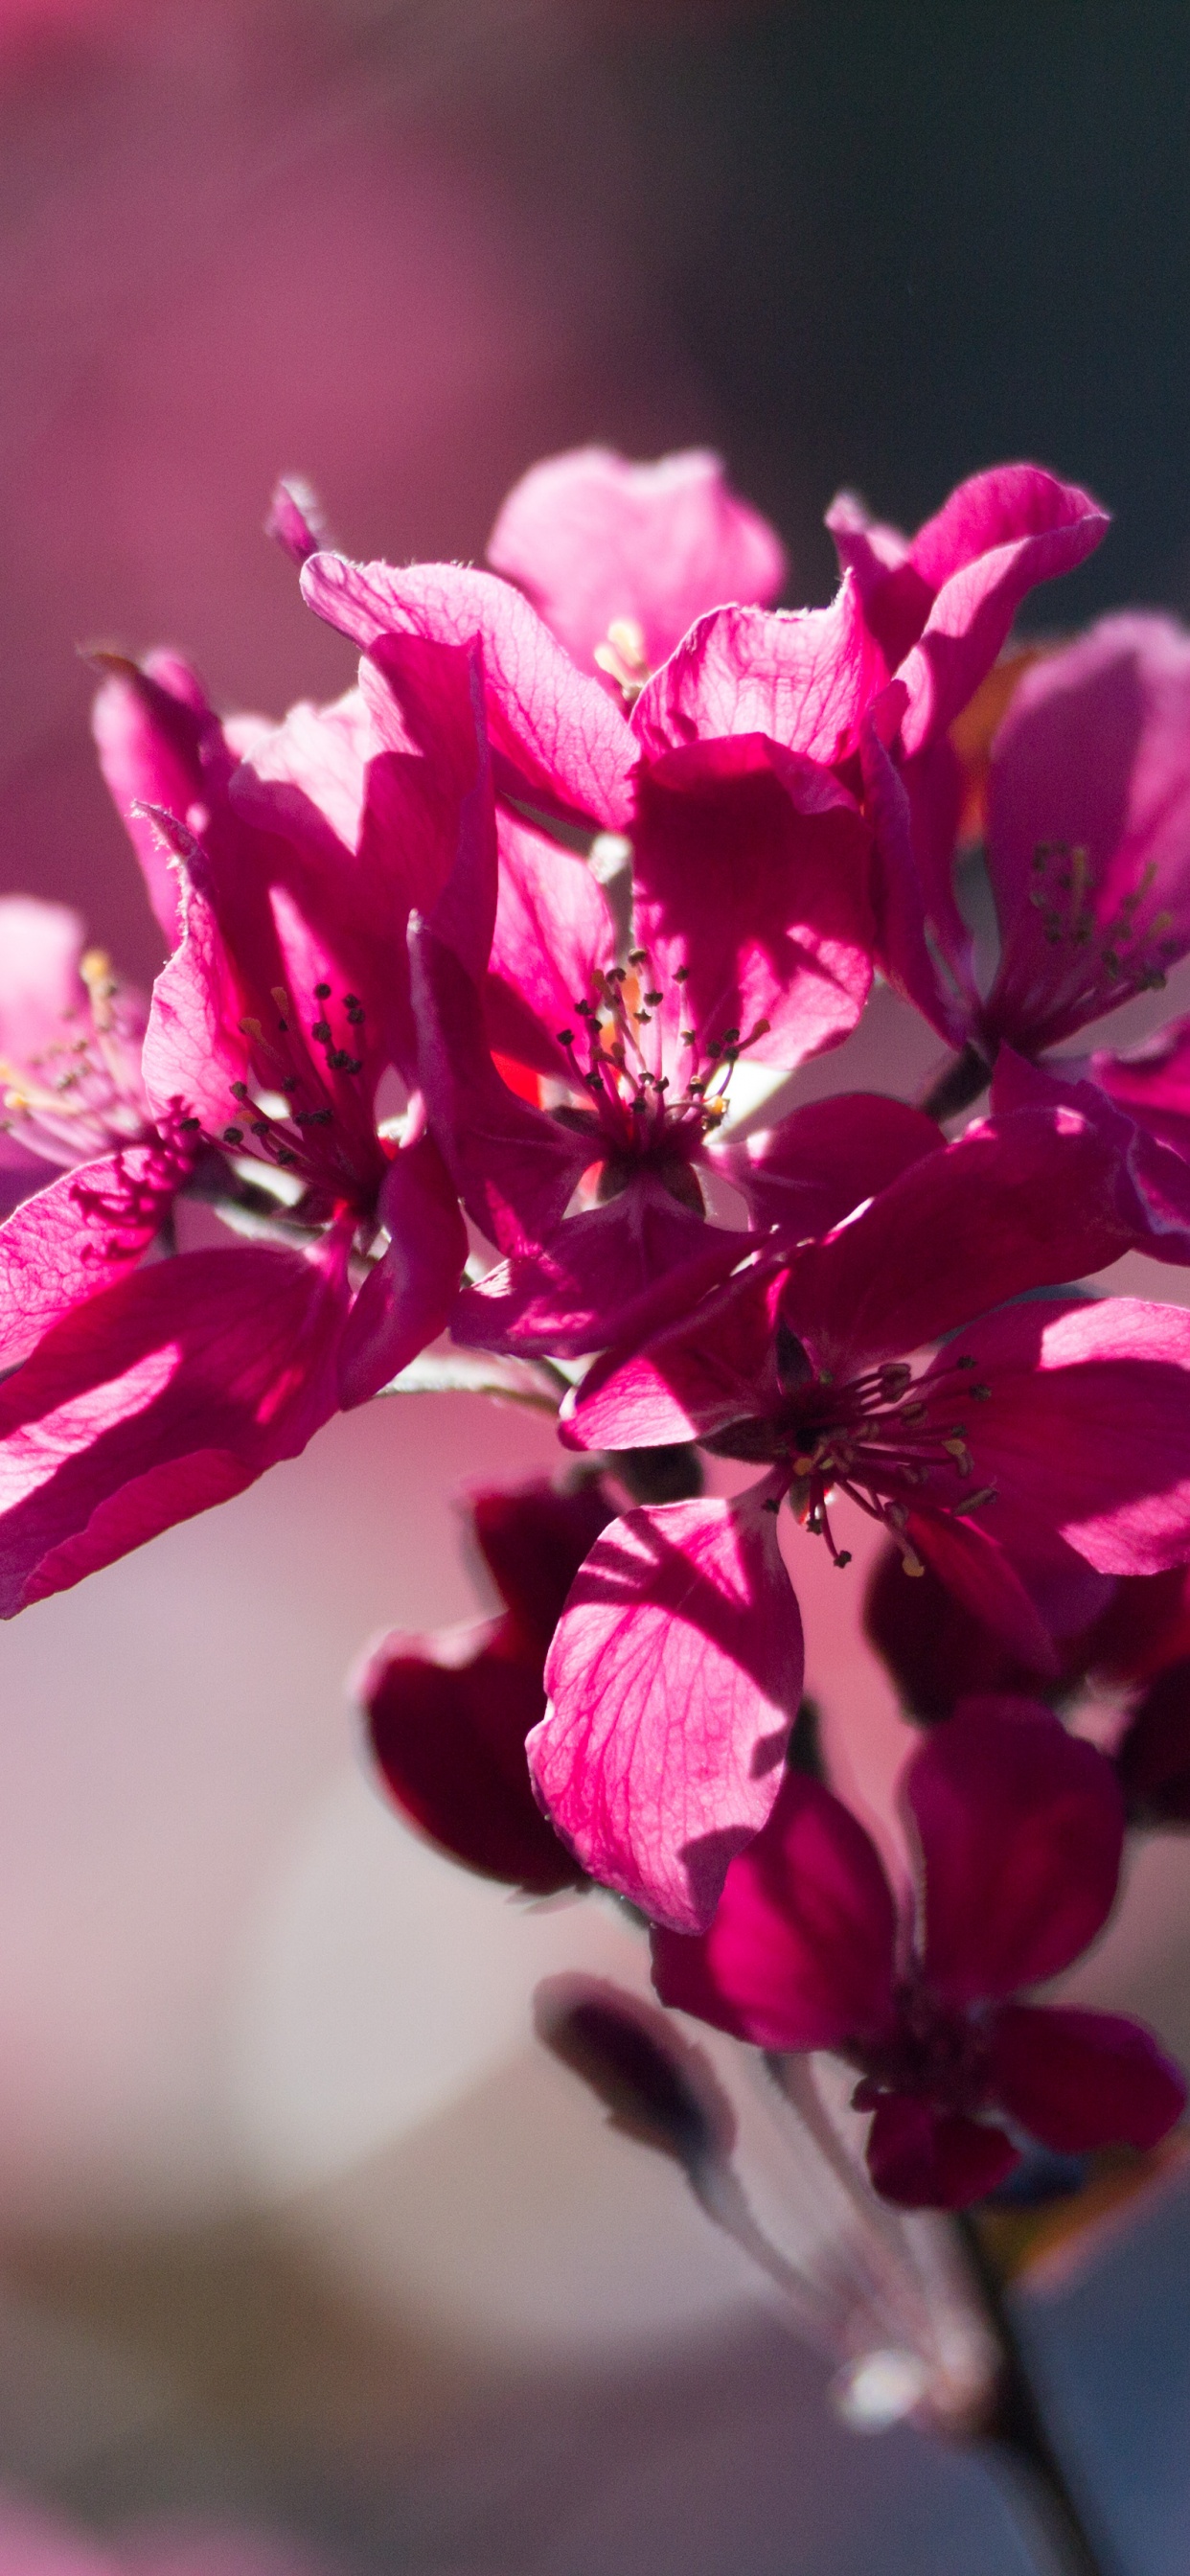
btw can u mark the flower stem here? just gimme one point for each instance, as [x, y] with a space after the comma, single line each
[960, 1082]
[1018, 2435]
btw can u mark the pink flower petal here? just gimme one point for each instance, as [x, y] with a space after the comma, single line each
[751, 887]
[690, 1382]
[1083, 2079]
[994, 539]
[76, 1237]
[801, 1950]
[1089, 828]
[159, 743]
[514, 1167]
[1016, 1203]
[592, 539]
[406, 1300]
[1087, 1425]
[163, 1394]
[926, 2159]
[802, 677]
[560, 742]
[553, 931]
[1021, 1829]
[597, 1278]
[674, 1677]
[825, 1159]
[40, 984]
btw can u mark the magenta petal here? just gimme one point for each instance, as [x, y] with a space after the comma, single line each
[406, 1300]
[825, 1159]
[194, 1047]
[449, 1739]
[1089, 828]
[514, 1168]
[553, 932]
[801, 1951]
[1021, 1829]
[926, 2159]
[294, 520]
[40, 985]
[1087, 1425]
[674, 1677]
[152, 728]
[986, 1582]
[901, 888]
[559, 740]
[997, 536]
[533, 1539]
[1016, 1203]
[163, 1394]
[751, 886]
[689, 1383]
[76, 1237]
[593, 540]
[598, 1278]
[804, 678]
[1083, 2079]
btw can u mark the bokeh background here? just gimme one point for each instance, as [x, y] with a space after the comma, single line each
[295, 2228]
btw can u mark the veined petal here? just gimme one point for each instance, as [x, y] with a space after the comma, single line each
[194, 1047]
[674, 1678]
[804, 677]
[801, 1950]
[1021, 1831]
[1083, 2079]
[167, 1392]
[159, 743]
[560, 742]
[593, 540]
[76, 1237]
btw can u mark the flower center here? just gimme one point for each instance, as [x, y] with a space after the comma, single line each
[883, 1439]
[616, 1057]
[934, 2052]
[314, 1121]
[83, 1092]
[1116, 957]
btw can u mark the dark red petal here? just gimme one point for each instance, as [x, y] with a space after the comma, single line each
[451, 1746]
[1083, 2079]
[927, 2159]
[1153, 1755]
[1021, 1830]
[800, 1953]
[533, 1540]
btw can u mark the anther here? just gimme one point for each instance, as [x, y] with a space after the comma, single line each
[322, 992]
[233, 1135]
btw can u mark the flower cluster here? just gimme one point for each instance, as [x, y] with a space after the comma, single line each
[481, 989]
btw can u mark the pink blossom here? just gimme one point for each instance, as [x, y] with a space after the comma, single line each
[285, 1001]
[620, 559]
[1063, 1425]
[448, 1714]
[750, 925]
[1018, 1832]
[90, 1172]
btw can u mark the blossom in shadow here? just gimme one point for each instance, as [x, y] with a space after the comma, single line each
[1017, 1830]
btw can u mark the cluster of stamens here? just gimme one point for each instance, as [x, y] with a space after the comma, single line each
[885, 1438]
[622, 1071]
[1120, 956]
[83, 1093]
[322, 1133]
[624, 659]
[935, 2052]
